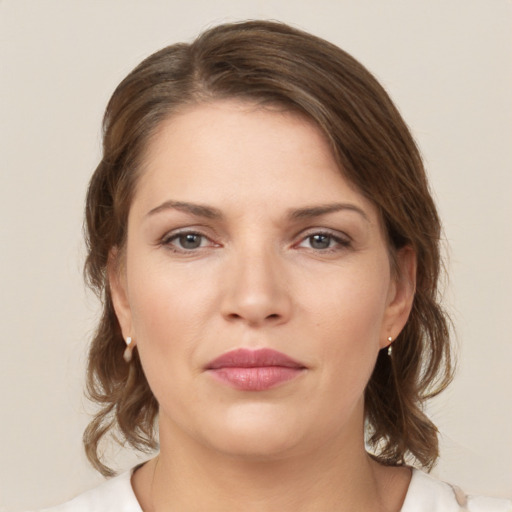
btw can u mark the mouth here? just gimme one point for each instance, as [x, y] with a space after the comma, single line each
[254, 370]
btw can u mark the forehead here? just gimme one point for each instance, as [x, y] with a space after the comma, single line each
[226, 152]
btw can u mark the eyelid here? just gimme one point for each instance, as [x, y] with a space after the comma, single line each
[196, 229]
[342, 239]
[335, 233]
[167, 239]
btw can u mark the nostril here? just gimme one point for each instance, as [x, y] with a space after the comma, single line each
[236, 316]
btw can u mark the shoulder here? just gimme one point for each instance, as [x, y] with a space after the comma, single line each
[115, 494]
[427, 494]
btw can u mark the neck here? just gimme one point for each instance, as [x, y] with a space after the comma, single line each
[188, 477]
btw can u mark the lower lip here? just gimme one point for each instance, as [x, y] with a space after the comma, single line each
[259, 378]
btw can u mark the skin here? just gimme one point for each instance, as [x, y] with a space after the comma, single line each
[315, 286]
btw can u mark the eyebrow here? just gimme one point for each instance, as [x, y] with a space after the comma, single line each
[318, 211]
[210, 212]
[195, 209]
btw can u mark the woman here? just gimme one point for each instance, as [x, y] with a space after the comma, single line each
[262, 235]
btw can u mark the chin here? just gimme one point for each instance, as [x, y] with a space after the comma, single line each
[257, 433]
[263, 446]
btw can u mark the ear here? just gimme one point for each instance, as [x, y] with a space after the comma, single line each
[401, 295]
[116, 273]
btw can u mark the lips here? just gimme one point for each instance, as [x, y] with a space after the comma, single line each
[254, 370]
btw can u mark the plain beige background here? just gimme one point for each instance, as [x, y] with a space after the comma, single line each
[448, 66]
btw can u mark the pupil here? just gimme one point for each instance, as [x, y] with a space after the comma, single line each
[320, 241]
[190, 241]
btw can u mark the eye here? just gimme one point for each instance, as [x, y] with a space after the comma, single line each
[190, 240]
[320, 241]
[186, 241]
[324, 241]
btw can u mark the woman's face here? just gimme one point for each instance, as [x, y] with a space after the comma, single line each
[256, 283]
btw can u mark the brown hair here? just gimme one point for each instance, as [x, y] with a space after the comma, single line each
[273, 64]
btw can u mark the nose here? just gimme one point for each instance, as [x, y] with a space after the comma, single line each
[256, 291]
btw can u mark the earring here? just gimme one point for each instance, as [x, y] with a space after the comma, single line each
[127, 356]
[390, 348]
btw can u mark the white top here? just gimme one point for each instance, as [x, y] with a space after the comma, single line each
[425, 494]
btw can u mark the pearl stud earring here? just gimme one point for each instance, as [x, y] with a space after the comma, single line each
[390, 348]
[127, 356]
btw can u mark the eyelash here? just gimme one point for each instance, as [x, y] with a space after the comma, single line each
[169, 238]
[340, 242]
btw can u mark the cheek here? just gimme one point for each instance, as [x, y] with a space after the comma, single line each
[348, 323]
[168, 316]
[164, 299]
[353, 304]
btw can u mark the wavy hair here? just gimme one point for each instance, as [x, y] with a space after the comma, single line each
[270, 63]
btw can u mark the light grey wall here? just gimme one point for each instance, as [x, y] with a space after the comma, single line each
[448, 65]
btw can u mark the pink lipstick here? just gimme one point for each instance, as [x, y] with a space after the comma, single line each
[254, 370]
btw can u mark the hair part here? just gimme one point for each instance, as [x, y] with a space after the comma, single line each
[272, 64]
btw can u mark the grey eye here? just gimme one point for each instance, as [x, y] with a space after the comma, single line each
[320, 241]
[190, 241]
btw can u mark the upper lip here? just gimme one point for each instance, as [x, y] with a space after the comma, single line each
[247, 358]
